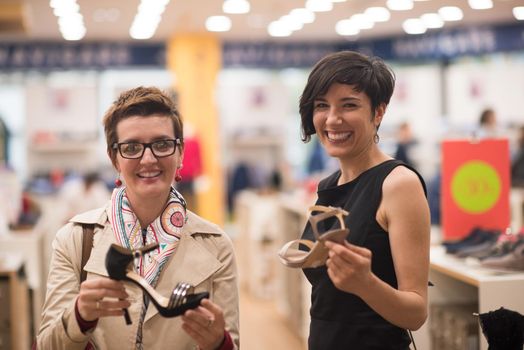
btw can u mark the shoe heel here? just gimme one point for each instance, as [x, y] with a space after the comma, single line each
[118, 259]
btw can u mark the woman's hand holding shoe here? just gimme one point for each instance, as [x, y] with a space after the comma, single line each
[349, 267]
[92, 303]
[205, 325]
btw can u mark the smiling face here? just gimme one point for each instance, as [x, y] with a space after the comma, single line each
[147, 178]
[345, 122]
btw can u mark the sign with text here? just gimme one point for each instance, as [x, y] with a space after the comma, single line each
[475, 186]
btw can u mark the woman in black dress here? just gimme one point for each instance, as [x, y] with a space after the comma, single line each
[373, 287]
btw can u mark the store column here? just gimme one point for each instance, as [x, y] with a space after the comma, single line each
[195, 61]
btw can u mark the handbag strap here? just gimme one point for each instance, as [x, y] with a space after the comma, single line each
[87, 245]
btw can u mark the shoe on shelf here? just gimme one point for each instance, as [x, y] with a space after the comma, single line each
[119, 266]
[318, 253]
[514, 260]
[475, 237]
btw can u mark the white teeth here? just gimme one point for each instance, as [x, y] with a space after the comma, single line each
[149, 174]
[338, 136]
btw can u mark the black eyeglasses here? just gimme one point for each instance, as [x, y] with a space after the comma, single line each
[135, 150]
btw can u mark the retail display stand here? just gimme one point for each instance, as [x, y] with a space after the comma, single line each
[14, 303]
[459, 281]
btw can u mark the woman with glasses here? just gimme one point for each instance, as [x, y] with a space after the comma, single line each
[173, 254]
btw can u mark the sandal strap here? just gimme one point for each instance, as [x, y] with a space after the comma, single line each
[286, 247]
[327, 212]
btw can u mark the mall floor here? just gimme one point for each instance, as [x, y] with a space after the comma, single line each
[263, 328]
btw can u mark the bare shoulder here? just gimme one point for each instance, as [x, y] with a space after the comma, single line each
[402, 180]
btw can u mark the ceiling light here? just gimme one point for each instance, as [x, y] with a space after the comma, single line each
[346, 27]
[147, 18]
[218, 24]
[142, 32]
[362, 21]
[319, 5]
[450, 13]
[378, 14]
[291, 22]
[518, 12]
[70, 21]
[236, 6]
[399, 5]
[303, 15]
[414, 26]
[432, 20]
[480, 4]
[278, 29]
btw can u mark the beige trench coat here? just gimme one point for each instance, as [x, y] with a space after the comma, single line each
[204, 258]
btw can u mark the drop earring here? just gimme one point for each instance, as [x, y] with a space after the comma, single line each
[118, 182]
[178, 177]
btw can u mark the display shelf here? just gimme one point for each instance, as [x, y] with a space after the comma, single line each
[14, 303]
[461, 280]
[468, 271]
[29, 244]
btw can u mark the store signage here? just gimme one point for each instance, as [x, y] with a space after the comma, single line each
[438, 45]
[475, 186]
[40, 55]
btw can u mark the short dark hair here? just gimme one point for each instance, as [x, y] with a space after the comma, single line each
[486, 115]
[366, 74]
[143, 102]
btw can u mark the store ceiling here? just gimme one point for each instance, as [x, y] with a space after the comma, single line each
[29, 20]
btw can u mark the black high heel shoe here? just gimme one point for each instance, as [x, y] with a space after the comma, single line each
[119, 266]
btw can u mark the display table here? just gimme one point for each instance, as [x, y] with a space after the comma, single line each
[462, 281]
[29, 245]
[14, 303]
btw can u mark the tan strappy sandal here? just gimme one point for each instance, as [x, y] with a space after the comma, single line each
[318, 253]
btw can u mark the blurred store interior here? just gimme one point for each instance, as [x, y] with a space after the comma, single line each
[237, 69]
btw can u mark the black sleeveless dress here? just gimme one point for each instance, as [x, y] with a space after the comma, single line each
[341, 320]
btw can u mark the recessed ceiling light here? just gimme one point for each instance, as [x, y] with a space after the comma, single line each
[480, 4]
[362, 21]
[346, 27]
[303, 15]
[319, 5]
[450, 13]
[291, 22]
[278, 29]
[70, 20]
[218, 24]
[432, 20]
[518, 12]
[147, 18]
[414, 26]
[399, 5]
[236, 6]
[378, 14]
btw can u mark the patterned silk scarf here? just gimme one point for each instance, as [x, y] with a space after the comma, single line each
[164, 230]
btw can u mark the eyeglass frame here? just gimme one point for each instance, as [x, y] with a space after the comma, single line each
[177, 141]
